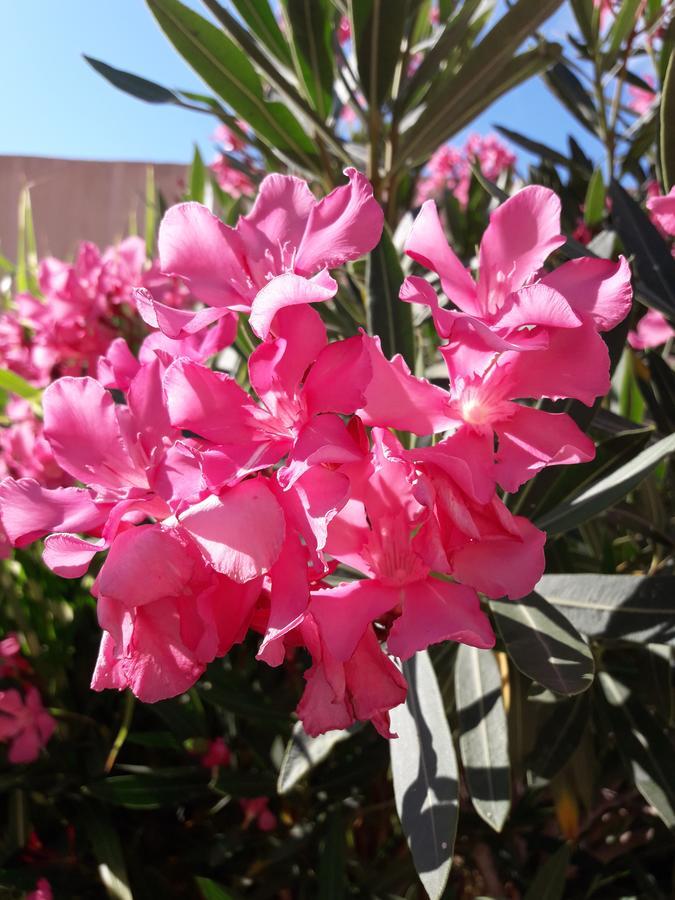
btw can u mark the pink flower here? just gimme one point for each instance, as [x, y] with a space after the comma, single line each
[228, 139]
[662, 211]
[25, 724]
[278, 255]
[43, 891]
[218, 754]
[256, 810]
[232, 180]
[344, 31]
[640, 99]
[653, 330]
[12, 664]
[450, 168]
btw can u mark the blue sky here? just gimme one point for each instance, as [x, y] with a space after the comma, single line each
[55, 105]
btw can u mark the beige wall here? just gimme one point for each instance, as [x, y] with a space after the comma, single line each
[76, 200]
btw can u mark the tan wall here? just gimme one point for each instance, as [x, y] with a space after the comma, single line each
[76, 200]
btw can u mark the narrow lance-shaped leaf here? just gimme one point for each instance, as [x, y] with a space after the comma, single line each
[377, 30]
[550, 880]
[388, 316]
[641, 740]
[311, 23]
[559, 736]
[653, 261]
[210, 890]
[667, 126]
[260, 18]
[624, 23]
[608, 491]
[227, 70]
[26, 249]
[424, 768]
[571, 92]
[542, 150]
[594, 205]
[483, 733]
[615, 607]
[303, 753]
[150, 211]
[197, 177]
[331, 873]
[543, 644]
[138, 87]
[15, 384]
[107, 849]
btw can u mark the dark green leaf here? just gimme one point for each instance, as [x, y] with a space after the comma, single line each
[543, 644]
[483, 733]
[644, 744]
[260, 18]
[542, 150]
[303, 753]
[152, 790]
[623, 25]
[388, 317]
[424, 769]
[228, 71]
[594, 204]
[311, 23]
[550, 880]
[653, 261]
[332, 863]
[668, 126]
[615, 607]
[606, 492]
[138, 87]
[571, 92]
[212, 891]
[559, 736]
[107, 849]
[377, 29]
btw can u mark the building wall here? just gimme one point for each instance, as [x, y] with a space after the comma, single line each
[76, 200]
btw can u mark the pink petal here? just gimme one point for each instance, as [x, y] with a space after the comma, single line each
[374, 683]
[69, 555]
[313, 502]
[196, 246]
[427, 245]
[532, 439]
[28, 511]
[344, 613]
[652, 330]
[278, 216]
[145, 564]
[434, 611]
[83, 430]
[522, 233]
[394, 398]
[324, 439]
[240, 533]
[343, 226]
[662, 211]
[598, 289]
[537, 304]
[326, 387]
[287, 290]
[118, 366]
[25, 748]
[172, 322]
[288, 599]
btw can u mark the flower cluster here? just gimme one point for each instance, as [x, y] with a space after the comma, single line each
[233, 161]
[449, 168]
[24, 722]
[340, 504]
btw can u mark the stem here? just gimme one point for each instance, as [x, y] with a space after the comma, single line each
[127, 715]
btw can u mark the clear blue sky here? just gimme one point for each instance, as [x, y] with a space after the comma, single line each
[53, 104]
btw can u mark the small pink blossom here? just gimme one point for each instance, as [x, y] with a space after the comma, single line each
[256, 810]
[653, 330]
[43, 891]
[640, 99]
[25, 724]
[218, 754]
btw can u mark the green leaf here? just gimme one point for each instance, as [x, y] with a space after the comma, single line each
[573, 95]
[550, 880]
[547, 153]
[389, 317]
[485, 65]
[332, 862]
[212, 891]
[138, 87]
[107, 849]
[152, 789]
[227, 70]
[303, 753]
[260, 18]
[606, 492]
[483, 733]
[594, 204]
[377, 29]
[25, 275]
[15, 384]
[197, 179]
[311, 23]
[424, 769]
[559, 736]
[615, 607]
[667, 129]
[623, 24]
[543, 644]
[642, 741]
[653, 261]
[150, 211]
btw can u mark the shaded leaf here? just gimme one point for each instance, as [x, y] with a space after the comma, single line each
[388, 317]
[212, 891]
[543, 644]
[303, 753]
[377, 29]
[559, 736]
[653, 261]
[615, 607]
[606, 492]
[667, 140]
[197, 180]
[331, 873]
[107, 849]
[138, 87]
[15, 384]
[622, 26]
[542, 150]
[260, 18]
[312, 46]
[573, 95]
[424, 769]
[483, 733]
[550, 880]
